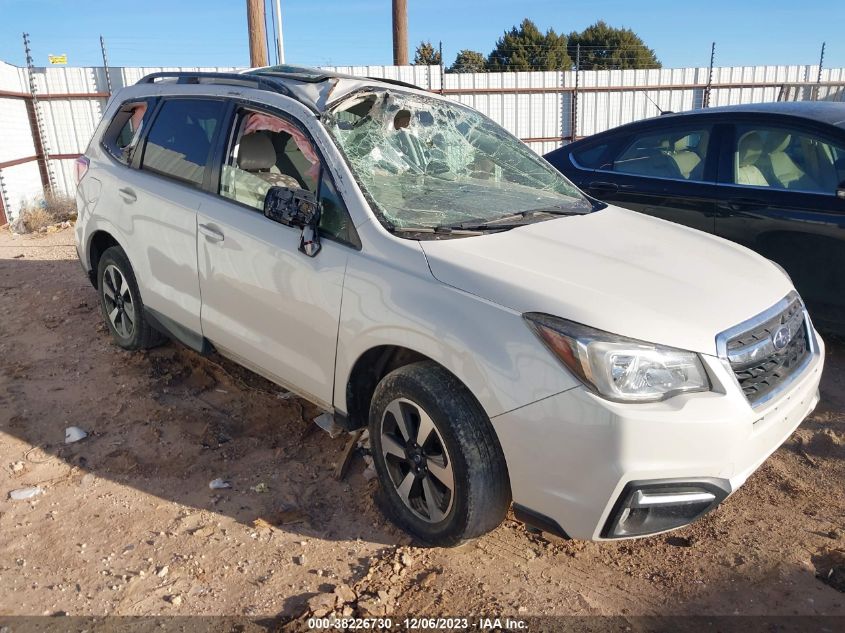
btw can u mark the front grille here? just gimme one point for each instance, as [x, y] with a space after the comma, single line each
[757, 364]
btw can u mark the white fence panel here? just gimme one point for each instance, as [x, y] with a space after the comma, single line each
[544, 109]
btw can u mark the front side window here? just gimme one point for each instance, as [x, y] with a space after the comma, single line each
[677, 153]
[433, 164]
[268, 151]
[179, 140]
[782, 158]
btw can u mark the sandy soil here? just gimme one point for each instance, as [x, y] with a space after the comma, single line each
[127, 523]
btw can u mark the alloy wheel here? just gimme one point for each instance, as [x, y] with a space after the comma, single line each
[417, 460]
[120, 308]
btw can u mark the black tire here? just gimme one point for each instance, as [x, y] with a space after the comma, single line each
[463, 438]
[129, 329]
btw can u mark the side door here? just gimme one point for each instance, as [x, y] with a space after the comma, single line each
[668, 171]
[265, 303]
[781, 180]
[160, 199]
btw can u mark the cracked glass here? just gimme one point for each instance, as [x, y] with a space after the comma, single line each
[430, 164]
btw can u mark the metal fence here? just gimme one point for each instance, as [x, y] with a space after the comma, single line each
[47, 115]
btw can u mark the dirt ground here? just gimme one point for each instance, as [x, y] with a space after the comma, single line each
[127, 524]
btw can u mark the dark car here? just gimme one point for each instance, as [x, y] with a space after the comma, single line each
[769, 176]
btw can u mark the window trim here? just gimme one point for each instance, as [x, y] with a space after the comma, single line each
[138, 157]
[225, 140]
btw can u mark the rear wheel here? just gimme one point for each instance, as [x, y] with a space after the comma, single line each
[121, 304]
[439, 462]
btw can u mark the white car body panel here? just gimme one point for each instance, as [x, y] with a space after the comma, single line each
[619, 271]
[266, 304]
[390, 298]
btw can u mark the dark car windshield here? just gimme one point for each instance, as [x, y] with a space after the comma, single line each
[429, 163]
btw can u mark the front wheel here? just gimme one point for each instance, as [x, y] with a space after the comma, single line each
[439, 462]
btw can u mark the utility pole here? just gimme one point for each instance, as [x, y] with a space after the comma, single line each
[257, 33]
[280, 41]
[105, 63]
[400, 32]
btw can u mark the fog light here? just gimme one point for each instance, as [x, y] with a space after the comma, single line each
[656, 506]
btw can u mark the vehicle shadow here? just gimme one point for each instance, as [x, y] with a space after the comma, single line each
[166, 421]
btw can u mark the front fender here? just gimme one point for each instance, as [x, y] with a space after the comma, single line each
[488, 347]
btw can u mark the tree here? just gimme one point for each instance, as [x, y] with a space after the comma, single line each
[427, 55]
[604, 47]
[468, 61]
[526, 48]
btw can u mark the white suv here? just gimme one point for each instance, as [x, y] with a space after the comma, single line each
[407, 265]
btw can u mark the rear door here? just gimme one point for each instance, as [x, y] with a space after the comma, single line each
[160, 199]
[667, 171]
[779, 179]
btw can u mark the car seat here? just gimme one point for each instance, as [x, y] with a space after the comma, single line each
[784, 171]
[257, 171]
[689, 162]
[748, 152]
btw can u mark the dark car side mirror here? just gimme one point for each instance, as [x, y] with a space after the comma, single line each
[298, 208]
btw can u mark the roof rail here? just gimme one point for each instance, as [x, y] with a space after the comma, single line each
[261, 82]
[395, 82]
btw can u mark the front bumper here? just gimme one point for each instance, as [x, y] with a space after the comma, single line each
[571, 456]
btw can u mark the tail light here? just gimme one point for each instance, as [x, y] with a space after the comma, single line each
[81, 164]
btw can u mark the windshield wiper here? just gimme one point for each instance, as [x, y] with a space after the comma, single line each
[506, 222]
[439, 229]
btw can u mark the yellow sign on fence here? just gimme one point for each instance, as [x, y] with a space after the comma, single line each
[58, 59]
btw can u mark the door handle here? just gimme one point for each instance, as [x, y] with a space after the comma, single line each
[127, 194]
[742, 204]
[212, 234]
[603, 187]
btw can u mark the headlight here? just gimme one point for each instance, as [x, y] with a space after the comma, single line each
[619, 368]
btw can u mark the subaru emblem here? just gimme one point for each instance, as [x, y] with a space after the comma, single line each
[780, 338]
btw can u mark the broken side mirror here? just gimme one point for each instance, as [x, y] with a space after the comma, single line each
[298, 208]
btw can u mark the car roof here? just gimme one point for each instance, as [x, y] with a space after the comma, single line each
[313, 87]
[828, 112]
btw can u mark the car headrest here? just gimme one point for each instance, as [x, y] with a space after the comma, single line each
[777, 141]
[256, 152]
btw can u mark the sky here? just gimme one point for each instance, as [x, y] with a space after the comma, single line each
[358, 32]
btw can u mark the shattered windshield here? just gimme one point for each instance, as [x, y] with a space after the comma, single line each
[426, 163]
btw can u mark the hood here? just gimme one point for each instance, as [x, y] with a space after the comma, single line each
[618, 271]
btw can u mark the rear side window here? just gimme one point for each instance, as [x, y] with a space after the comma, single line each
[677, 153]
[179, 141]
[784, 158]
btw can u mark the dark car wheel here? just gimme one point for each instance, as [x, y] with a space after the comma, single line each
[121, 304]
[440, 465]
